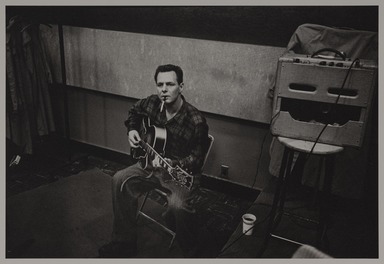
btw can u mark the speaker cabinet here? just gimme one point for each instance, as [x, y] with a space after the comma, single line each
[310, 94]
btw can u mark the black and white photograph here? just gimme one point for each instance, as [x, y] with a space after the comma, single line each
[171, 131]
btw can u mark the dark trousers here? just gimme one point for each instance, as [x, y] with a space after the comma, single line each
[128, 184]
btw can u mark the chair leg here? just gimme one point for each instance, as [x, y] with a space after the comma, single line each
[142, 205]
[171, 243]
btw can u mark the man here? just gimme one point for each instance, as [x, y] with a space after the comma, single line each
[185, 148]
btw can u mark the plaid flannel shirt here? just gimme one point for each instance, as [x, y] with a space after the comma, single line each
[187, 131]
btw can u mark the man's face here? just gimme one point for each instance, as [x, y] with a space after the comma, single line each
[168, 88]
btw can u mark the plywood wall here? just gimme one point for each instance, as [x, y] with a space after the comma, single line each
[229, 79]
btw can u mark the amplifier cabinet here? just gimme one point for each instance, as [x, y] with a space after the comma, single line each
[309, 94]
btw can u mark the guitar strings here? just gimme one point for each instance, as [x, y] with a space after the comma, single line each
[156, 153]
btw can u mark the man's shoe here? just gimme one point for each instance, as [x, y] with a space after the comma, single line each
[118, 250]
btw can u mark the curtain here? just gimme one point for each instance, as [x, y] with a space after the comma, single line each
[28, 78]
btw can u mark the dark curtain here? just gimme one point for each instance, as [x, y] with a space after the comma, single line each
[28, 78]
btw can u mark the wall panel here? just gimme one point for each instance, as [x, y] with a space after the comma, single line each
[230, 79]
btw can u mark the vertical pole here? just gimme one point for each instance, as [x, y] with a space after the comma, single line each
[64, 90]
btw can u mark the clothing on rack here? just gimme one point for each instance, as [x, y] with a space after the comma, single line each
[29, 111]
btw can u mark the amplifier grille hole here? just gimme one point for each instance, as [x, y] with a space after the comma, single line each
[302, 87]
[343, 92]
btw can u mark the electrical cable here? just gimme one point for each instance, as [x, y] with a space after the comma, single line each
[262, 147]
[257, 171]
[258, 161]
[274, 118]
[243, 234]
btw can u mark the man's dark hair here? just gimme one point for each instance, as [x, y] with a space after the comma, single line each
[169, 68]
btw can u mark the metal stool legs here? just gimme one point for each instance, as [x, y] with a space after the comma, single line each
[278, 202]
[277, 209]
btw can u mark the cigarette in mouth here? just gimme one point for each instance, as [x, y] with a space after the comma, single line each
[162, 106]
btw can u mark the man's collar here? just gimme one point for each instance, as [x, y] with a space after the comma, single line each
[182, 112]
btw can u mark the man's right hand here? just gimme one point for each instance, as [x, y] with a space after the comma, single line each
[134, 138]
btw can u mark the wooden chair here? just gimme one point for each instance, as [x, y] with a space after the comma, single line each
[164, 195]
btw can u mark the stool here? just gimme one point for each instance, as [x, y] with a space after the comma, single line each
[327, 154]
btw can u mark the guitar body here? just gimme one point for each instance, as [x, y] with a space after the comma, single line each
[156, 138]
[151, 156]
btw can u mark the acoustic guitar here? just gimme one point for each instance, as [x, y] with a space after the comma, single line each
[151, 153]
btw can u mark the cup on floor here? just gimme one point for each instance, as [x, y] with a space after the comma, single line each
[248, 223]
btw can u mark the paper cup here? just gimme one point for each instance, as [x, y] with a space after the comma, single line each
[248, 223]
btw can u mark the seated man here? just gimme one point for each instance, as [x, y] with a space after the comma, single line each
[184, 133]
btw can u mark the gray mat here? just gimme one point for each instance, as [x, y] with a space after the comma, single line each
[68, 218]
[72, 218]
